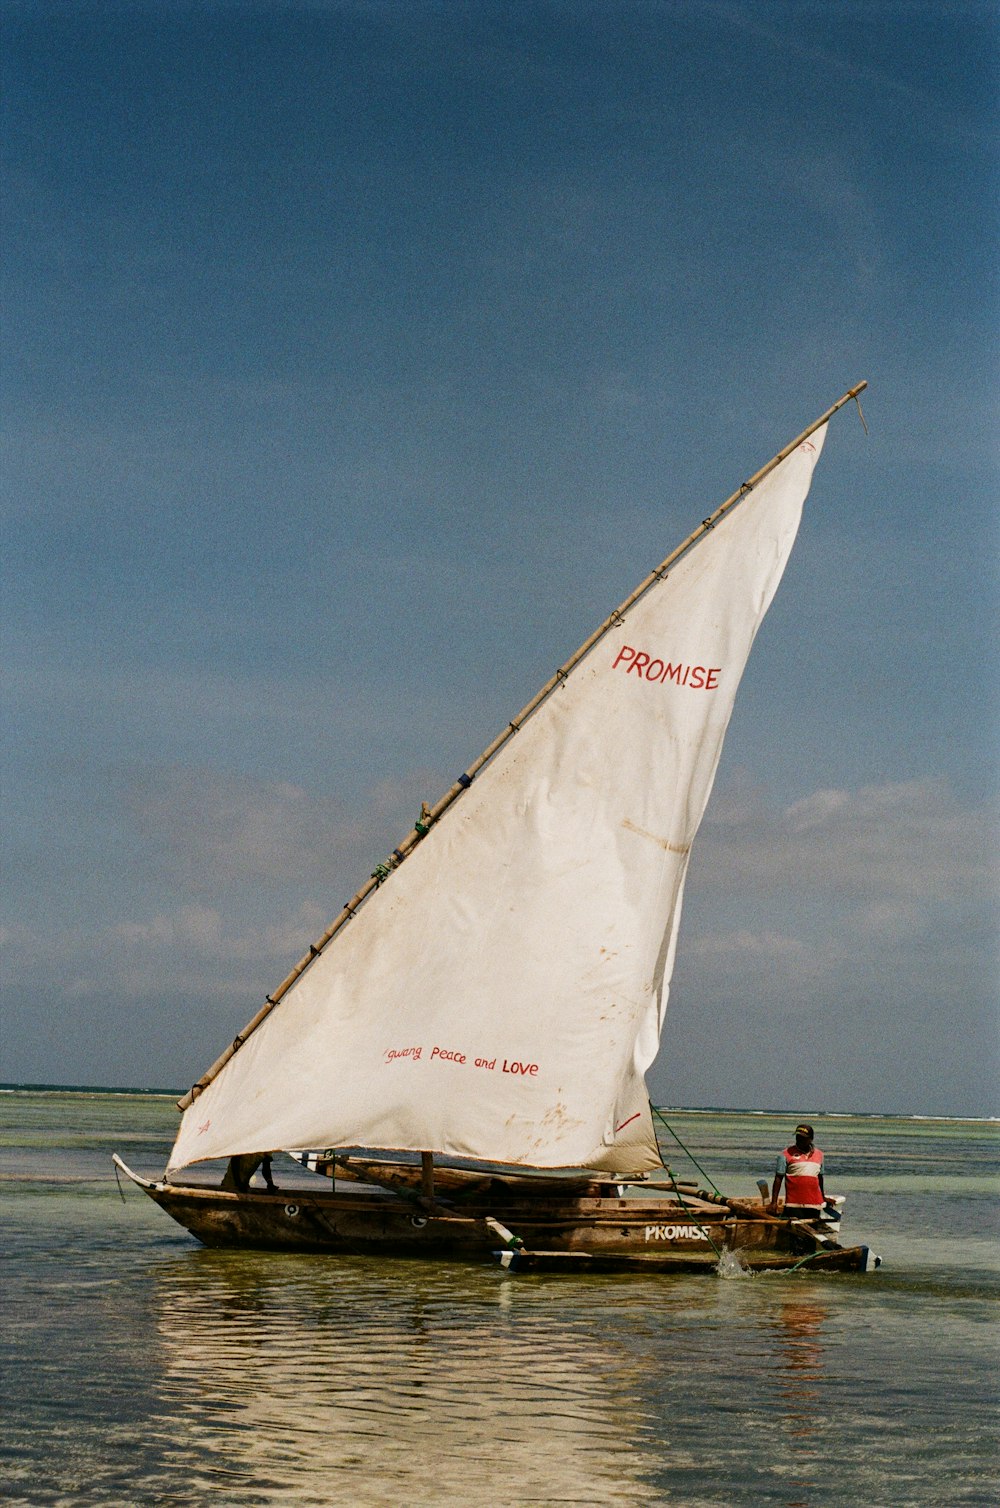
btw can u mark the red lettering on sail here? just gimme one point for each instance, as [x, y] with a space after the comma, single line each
[453, 1055]
[658, 671]
[446, 1054]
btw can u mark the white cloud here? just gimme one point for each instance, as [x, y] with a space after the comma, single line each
[193, 952]
[879, 902]
[766, 947]
[212, 848]
[817, 809]
[215, 830]
[910, 841]
[829, 881]
[863, 917]
[841, 951]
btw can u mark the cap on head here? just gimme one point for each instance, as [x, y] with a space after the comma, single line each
[805, 1130]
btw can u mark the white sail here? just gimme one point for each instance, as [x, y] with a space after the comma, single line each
[501, 996]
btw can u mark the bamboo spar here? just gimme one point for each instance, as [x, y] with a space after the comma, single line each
[462, 784]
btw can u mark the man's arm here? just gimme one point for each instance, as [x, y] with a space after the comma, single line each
[773, 1207]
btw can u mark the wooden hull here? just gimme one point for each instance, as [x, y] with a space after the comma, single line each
[553, 1231]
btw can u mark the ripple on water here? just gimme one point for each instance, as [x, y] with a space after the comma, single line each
[147, 1370]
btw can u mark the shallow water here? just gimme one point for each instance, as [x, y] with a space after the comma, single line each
[141, 1368]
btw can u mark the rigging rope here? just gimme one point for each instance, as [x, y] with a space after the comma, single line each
[693, 1216]
[690, 1154]
[861, 414]
[784, 1272]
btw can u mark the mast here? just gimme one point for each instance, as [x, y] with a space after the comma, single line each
[429, 816]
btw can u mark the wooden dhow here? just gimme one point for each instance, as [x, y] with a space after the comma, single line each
[584, 1226]
[490, 999]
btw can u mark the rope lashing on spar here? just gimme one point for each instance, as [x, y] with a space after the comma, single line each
[381, 872]
[421, 827]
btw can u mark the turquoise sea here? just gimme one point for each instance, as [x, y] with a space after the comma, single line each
[140, 1368]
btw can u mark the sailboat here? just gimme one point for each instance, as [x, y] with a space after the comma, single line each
[459, 1061]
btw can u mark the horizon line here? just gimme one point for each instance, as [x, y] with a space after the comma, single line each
[14, 1087]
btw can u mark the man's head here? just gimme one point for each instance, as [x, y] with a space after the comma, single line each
[804, 1136]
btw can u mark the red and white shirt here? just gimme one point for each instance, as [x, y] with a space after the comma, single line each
[801, 1171]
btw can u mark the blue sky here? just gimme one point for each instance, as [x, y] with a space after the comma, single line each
[358, 358]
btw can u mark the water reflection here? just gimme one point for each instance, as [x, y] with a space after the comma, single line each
[800, 1351]
[304, 1381]
[799, 1361]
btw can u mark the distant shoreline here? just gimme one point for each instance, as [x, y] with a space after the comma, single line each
[890, 1115]
[86, 1089]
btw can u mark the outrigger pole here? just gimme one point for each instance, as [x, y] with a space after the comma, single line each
[429, 816]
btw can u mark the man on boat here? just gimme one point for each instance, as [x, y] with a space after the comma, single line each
[801, 1167]
[241, 1170]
